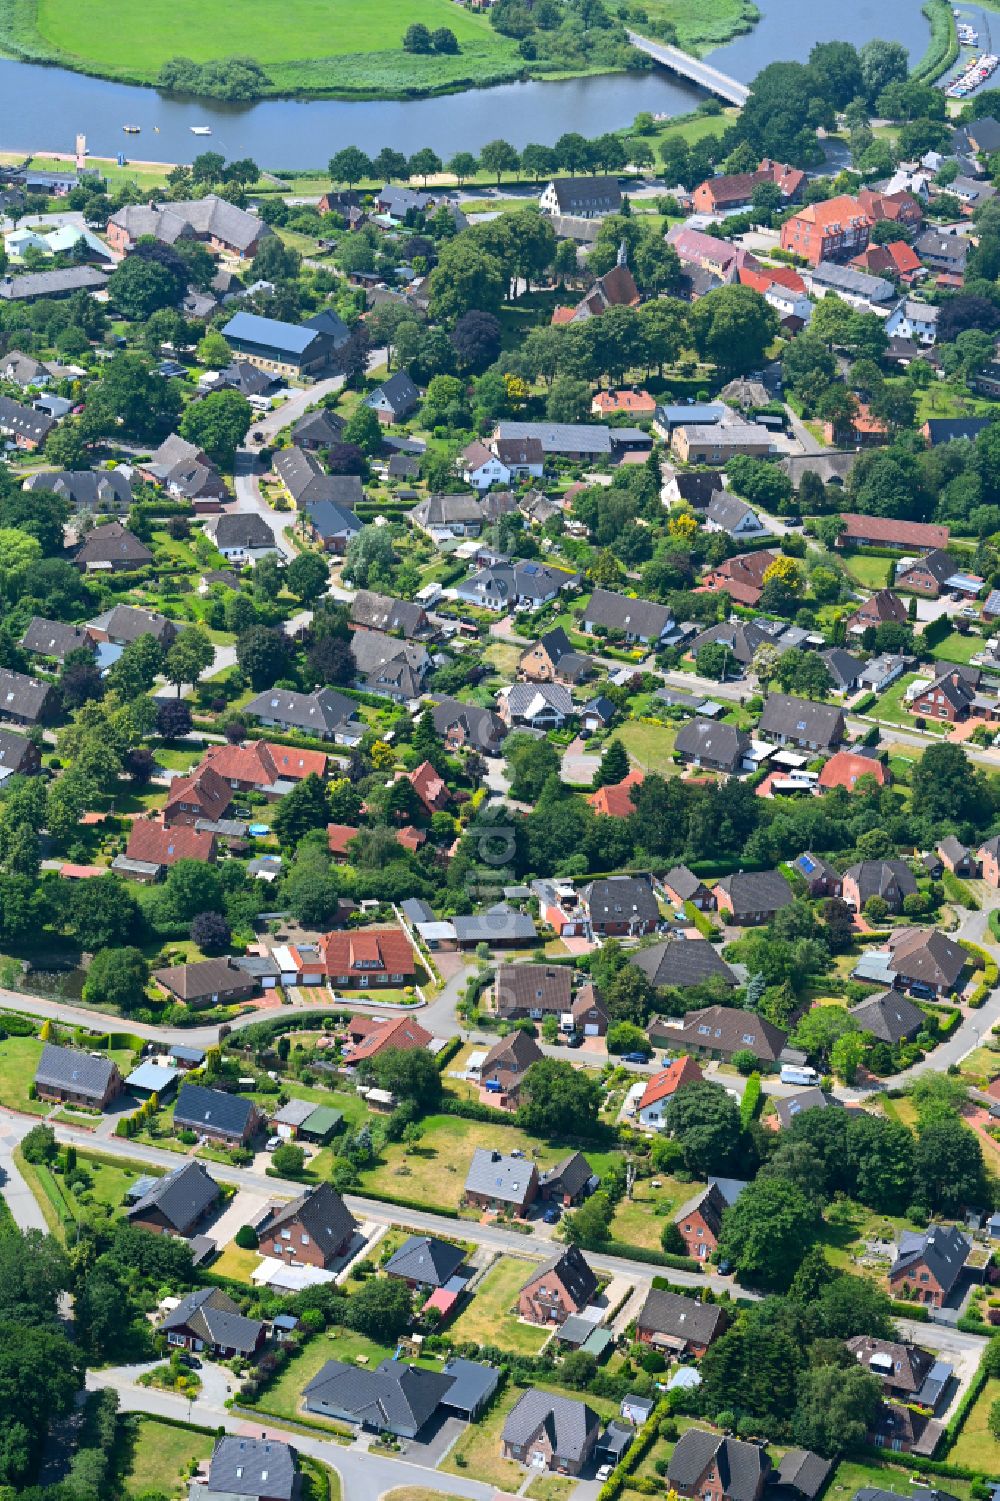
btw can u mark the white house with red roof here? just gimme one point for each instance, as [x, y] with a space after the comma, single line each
[661, 1089]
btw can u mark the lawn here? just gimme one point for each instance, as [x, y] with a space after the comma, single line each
[162, 1454]
[850, 1477]
[650, 746]
[639, 1221]
[975, 1446]
[488, 1319]
[552, 1488]
[957, 647]
[18, 1064]
[869, 572]
[479, 1449]
[111, 1180]
[890, 706]
[284, 1398]
[338, 46]
[434, 1172]
[236, 1263]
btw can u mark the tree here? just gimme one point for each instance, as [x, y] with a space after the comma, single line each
[948, 1166]
[213, 351]
[613, 767]
[40, 1145]
[705, 1122]
[211, 932]
[307, 576]
[568, 400]
[531, 763]
[626, 1037]
[713, 660]
[462, 166]
[947, 788]
[499, 156]
[381, 1309]
[350, 165]
[769, 1228]
[364, 430]
[173, 718]
[117, 977]
[264, 655]
[103, 913]
[557, 1099]
[732, 327]
[302, 809]
[188, 656]
[417, 38]
[370, 557]
[192, 887]
[882, 63]
[476, 339]
[131, 398]
[836, 1408]
[218, 423]
[288, 1160]
[138, 286]
[466, 277]
[424, 162]
[409, 1074]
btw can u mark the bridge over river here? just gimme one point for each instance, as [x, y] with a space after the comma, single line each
[692, 68]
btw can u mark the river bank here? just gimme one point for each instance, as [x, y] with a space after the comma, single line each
[44, 107]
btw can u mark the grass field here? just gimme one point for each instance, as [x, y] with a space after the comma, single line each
[850, 1477]
[329, 47]
[18, 1062]
[434, 1172]
[161, 1457]
[488, 1319]
[958, 648]
[870, 573]
[285, 1396]
[890, 707]
[636, 1220]
[650, 746]
[976, 1447]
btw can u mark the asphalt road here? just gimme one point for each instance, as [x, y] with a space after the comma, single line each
[535, 1246]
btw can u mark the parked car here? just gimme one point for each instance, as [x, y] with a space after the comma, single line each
[552, 1214]
[272, 1143]
[604, 1473]
[574, 1040]
[191, 1361]
[635, 1058]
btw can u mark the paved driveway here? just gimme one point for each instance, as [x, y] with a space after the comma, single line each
[243, 1209]
[20, 1200]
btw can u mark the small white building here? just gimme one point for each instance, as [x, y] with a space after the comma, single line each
[911, 319]
[481, 468]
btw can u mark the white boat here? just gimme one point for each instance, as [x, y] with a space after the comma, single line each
[201, 130]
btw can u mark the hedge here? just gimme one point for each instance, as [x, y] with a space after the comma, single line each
[750, 1103]
[633, 1457]
[398, 1202]
[629, 1252]
[447, 1053]
[964, 1407]
[916, 1311]
[864, 703]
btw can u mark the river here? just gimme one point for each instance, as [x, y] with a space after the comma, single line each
[43, 108]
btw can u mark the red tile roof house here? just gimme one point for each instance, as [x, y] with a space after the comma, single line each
[149, 843]
[901, 208]
[661, 1089]
[637, 403]
[564, 1286]
[742, 577]
[260, 766]
[733, 190]
[616, 801]
[431, 789]
[313, 1230]
[988, 855]
[882, 531]
[369, 957]
[844, 769]
[400, 1032]
[203, 794]
[883, 607]
[338, 837]
[827, 231]
[895, 260]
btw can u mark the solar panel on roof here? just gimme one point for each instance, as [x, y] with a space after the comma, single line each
[807, 865]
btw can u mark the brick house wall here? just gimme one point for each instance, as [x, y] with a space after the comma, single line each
[699, 1240]
[57, 1093]
[290, 1242]
[920, 581]
[917, 1285]
[546, 1300]
[929, 706]
[990, 870]
[484, 1201]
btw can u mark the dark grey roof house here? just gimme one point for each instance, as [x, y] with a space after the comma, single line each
[23, 700]
[799, 721]
[52, 638]
[18, 756]
[891, 1017]
[208, 1318]
[803, 1471]
[622, 905]
[394, 1398]
[175, 1203]
[325, 713]
[547, 1431]
[262, 1469]
[82, 1078]
[99, 490]
[715, 746]
[468, 725]
[671, 1321]
[682, 961]
[112, 547]
[753, 896]
[380, 612]
[213, 1112]
[394, 399]
[742, 1469]
[637, 619]
[582, 197]
[425, 1261]
[568, 1180]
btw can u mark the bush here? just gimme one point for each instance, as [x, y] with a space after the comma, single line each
[247, 1238]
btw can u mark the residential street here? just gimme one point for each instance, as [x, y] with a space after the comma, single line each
[365, 1477]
